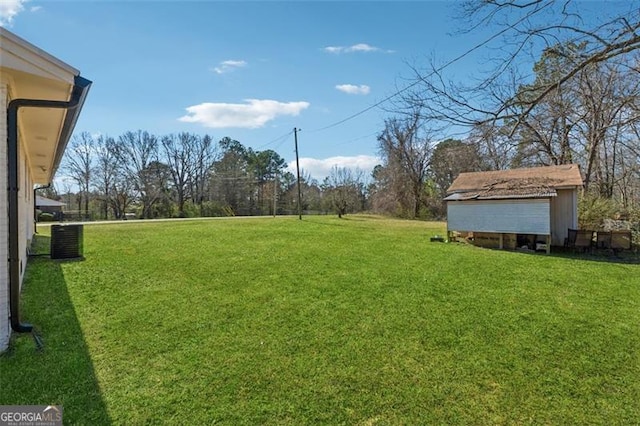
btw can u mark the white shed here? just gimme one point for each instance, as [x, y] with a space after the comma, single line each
[508, 207]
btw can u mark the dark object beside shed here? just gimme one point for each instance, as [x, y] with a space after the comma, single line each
[621, 240]
[603, 240]
[66, 241]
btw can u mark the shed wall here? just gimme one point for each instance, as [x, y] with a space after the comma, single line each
[530, 216]
[564, 215]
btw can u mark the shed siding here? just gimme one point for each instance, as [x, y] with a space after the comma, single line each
[564, 215]
[507, 216]
[4, 214]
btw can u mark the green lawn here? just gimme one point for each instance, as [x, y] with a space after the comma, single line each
[324, 321]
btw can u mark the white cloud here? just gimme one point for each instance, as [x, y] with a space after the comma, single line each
[333, 49]
[360, 47]
[9, 9]
[35, 8]
[229, 65]
[320, 168]
[252, 114]
[352, 89]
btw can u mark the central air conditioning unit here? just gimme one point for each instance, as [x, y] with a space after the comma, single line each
[66, 241]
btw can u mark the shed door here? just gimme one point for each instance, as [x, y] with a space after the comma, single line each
[531, 216]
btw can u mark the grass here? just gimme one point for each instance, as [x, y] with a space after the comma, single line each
[324, 321]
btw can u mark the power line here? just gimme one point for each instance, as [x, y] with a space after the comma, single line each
[359, 113]
[275, 148]
[415, 83]
[355, 139]
[280, 139]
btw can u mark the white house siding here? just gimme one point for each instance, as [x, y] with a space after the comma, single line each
[28, 72]
[530, 216]
[4, 215]
[564, 209]
[25, 209]
[25, 216]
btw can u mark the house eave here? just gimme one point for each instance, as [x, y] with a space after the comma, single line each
[31, 73]
[21, 54]
[80, 90]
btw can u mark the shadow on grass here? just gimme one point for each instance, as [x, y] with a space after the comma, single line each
[628, 257]
[598, 255]
[61, 371]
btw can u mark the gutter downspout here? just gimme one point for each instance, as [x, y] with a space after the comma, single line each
[79, 91]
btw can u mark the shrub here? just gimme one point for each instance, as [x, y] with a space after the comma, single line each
[45, 217]
[212, 209]
[190, 209]
[592, 210]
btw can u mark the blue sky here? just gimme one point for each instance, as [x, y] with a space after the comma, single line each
[248, 70]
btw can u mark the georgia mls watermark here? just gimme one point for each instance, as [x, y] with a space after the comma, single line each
[30, 415]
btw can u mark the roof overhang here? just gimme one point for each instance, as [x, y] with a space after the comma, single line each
[31, 73]
[469, 196]
[47, 202]
[565, 176]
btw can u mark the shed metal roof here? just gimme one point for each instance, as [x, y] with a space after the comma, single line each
[500, 195]
[537, 182]
[48, 202]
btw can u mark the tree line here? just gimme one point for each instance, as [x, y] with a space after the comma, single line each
[592, 119]
[580, 104]
[187, 175]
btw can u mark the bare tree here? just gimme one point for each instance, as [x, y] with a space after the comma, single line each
[205, 156]
[264, 166]
[180, 154]
[343, 188]
[494, 145]
[231, 181]
[122, 195]
[523, 28]
[106, 170]
[79, 161]
[609, 97]
[158, 183]
[545, 133]
[137, 151]
[406, 150]
[450, 158]
[588, 120]
[628, 184]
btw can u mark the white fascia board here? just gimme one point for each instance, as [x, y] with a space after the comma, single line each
[17, 53]
[568, 187]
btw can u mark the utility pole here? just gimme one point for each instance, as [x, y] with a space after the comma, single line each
[275, 194]
[295, 137]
